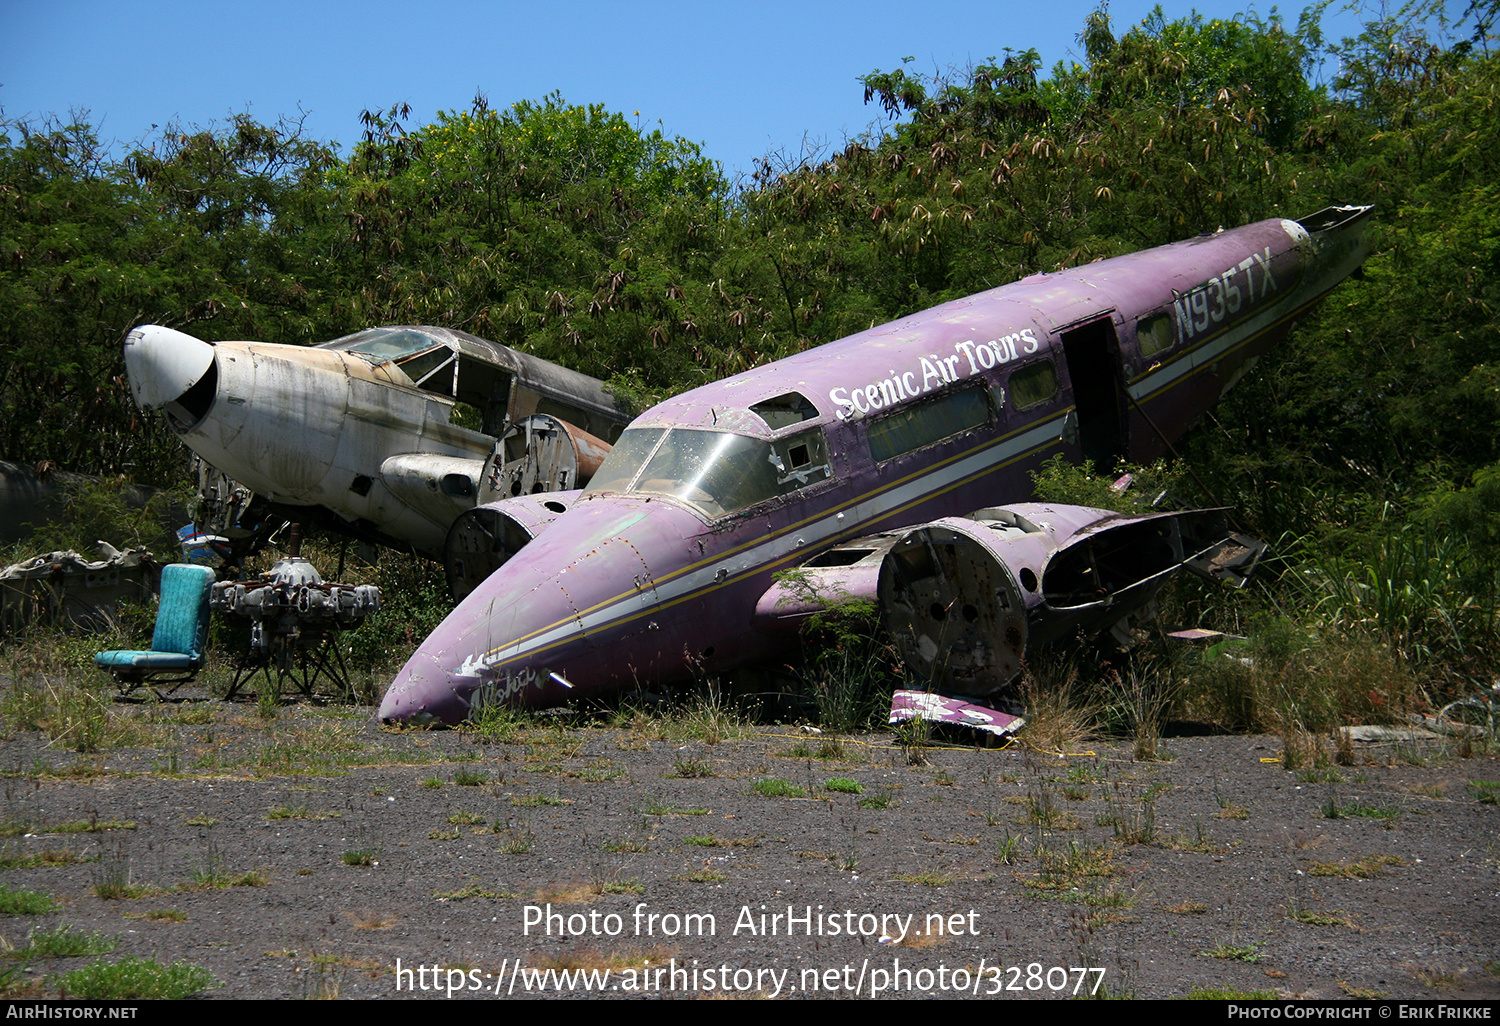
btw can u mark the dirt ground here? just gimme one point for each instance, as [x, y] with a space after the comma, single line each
[316, 854]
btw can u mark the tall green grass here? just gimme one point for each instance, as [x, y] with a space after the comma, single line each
[1416, 589]
[1292, 675]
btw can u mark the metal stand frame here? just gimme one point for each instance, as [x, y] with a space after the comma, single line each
[302, 660]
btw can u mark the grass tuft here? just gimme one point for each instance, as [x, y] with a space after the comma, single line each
[1321, 919]
[1361, 869]
[64, 942]
[531, 801]
[17, 901]
[774, 787]
[931, 878]
[693, 769]
[1059, 717]
[134, 978]
[1485, 792]
[1234, 951]
[516, 839]
[1230, 994]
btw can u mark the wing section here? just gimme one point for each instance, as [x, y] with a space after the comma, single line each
[848, 572]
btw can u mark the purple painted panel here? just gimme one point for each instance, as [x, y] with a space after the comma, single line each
[910, 705]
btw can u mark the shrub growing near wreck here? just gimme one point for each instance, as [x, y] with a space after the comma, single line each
[110, 509]
[1290, 676]
[849, 667]
[413, 601]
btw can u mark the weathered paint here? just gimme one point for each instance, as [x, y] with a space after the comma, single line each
[910, 705]
[346, 427]
[483, 538]
[970, 599]
[640, 586]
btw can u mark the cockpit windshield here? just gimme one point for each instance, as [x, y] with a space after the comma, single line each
[716, 471]
[380, 345]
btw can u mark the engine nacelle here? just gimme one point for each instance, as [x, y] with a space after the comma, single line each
[968, 599]
[483, 538]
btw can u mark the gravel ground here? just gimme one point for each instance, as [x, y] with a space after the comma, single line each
[310, 854]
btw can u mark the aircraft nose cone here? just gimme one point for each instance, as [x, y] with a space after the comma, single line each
[162, 364]
[423, 694]
[573, 613]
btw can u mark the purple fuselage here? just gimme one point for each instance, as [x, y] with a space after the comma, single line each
[655, 571]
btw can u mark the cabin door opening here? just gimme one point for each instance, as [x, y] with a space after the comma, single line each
[1093, 355]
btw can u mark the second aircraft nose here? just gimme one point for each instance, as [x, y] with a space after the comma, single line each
[164, 364]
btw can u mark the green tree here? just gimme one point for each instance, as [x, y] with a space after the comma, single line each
[208, 231]
[560, 229]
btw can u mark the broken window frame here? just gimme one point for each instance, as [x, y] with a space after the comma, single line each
[810, 467]
[929, 422]
[387, 345]
[785, 410]
[1019, 392]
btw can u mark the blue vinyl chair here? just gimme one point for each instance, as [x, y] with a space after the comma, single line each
[181, 626]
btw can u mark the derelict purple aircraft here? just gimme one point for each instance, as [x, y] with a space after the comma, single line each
[663, 567]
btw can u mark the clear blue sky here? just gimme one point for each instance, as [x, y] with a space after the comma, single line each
[742, 79]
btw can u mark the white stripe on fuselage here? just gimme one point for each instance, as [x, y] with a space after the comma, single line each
[1194, 359]
[811, 536]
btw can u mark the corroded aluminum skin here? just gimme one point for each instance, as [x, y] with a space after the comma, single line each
[327, 427]
[540, 453]
[300, 425]
[625, 588]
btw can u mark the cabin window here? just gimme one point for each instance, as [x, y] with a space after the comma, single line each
[1155, 334]
[625, 460]
[785, 410]
[379, 345]
[912, 427]
[1032, 384]
[432, 370]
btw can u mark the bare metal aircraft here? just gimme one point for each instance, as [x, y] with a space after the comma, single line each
[388, 434]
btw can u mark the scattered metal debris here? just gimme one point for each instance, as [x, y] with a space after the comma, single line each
[1472, 716]
[1197, 634]
[1372, 733]
[66, 587]
[911, 705]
